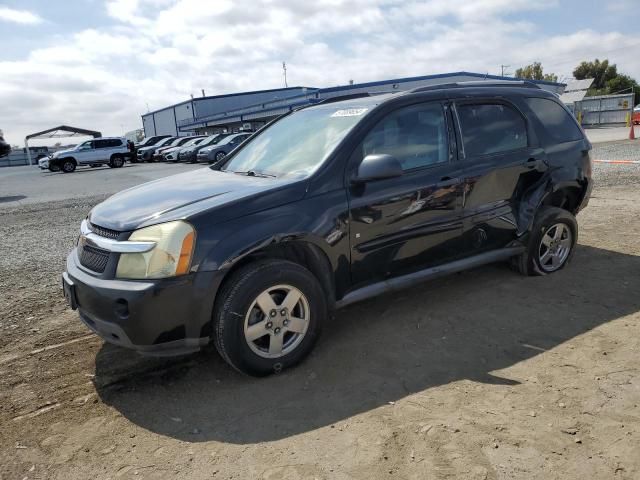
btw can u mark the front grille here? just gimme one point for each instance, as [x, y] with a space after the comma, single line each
[104, 232]
[94, 258]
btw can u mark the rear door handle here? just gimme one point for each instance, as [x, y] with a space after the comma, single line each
[533, 163]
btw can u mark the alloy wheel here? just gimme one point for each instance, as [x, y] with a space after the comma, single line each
[555, 247]
[277, 321]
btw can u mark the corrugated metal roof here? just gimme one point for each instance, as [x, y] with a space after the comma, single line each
[573, 97]
[575, 85]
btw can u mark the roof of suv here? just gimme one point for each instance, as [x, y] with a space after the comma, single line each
[452, 90]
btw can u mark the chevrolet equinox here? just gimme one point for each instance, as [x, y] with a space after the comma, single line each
[328, 205]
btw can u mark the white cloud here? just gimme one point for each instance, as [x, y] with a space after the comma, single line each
[19, 16]
[160, 51]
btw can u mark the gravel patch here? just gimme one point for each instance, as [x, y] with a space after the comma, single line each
[609, 175]
[627, 150]
[36, 239]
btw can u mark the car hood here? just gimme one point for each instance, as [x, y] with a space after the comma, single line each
[171, 149]
[63, 152]
[193, 193]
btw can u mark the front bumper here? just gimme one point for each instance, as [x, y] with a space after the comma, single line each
[204, 157]
[156, 317]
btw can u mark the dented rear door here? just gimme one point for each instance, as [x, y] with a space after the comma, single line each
[499, 162]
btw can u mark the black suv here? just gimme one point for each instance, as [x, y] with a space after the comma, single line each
[329, 205]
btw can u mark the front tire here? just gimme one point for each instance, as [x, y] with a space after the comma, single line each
[68, 166]
[551, 243]
[268, 316]
[220, 156]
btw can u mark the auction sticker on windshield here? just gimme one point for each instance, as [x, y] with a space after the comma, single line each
[350, 112]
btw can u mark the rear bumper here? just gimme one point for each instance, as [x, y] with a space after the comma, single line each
[587, 195]
[157, 317]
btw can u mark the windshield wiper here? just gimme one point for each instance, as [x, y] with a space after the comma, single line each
[253, 173]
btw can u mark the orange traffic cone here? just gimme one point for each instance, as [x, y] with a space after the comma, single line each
[632, 133]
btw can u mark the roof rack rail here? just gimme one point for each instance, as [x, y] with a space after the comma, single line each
[340, 98]
[477, 83]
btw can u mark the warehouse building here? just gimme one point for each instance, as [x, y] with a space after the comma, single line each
[251, 110]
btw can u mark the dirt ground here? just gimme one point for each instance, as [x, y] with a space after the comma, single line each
[481, 375]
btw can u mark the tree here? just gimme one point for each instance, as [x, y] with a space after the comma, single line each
[601, 72]
[607, 80]
[535, 72]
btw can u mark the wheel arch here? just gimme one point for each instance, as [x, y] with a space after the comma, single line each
[546, 192]
[299, 251]
[568, 197]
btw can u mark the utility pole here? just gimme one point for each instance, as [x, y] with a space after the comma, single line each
[502, 68]
[284, 72]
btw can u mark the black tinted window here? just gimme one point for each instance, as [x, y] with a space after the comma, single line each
[558, 123]
[415, 135]
[109, 143]
[491, 128]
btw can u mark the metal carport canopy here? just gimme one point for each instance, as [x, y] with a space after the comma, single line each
[60, 132]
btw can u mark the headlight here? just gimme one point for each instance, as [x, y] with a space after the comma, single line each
[169, 258]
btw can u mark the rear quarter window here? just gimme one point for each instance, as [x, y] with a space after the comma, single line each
[490, 128]
[559, 125]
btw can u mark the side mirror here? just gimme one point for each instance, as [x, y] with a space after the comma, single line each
[378, 166]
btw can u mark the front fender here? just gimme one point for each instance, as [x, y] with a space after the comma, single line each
[320, 221]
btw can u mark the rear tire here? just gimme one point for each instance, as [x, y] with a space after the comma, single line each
[551, 245]
[68, 166]
[117, 161]
[268, 316]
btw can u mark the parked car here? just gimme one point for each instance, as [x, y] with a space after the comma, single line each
[110, 151]
[636, 115]
[178, 142]
[148, 141]
[189, 155]
[329, 205]
[216, 152]
[171, 154]
[145, 154]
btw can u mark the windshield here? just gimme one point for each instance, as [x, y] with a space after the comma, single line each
[226, 140]
[212, 140]
[296, 145]
[193, 141]
[165, 141]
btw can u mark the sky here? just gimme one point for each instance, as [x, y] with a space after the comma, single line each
[101, 64]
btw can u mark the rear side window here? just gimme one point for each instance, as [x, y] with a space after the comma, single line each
[108, 143]
[490, 128]
[415, 135]
[558, 123]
